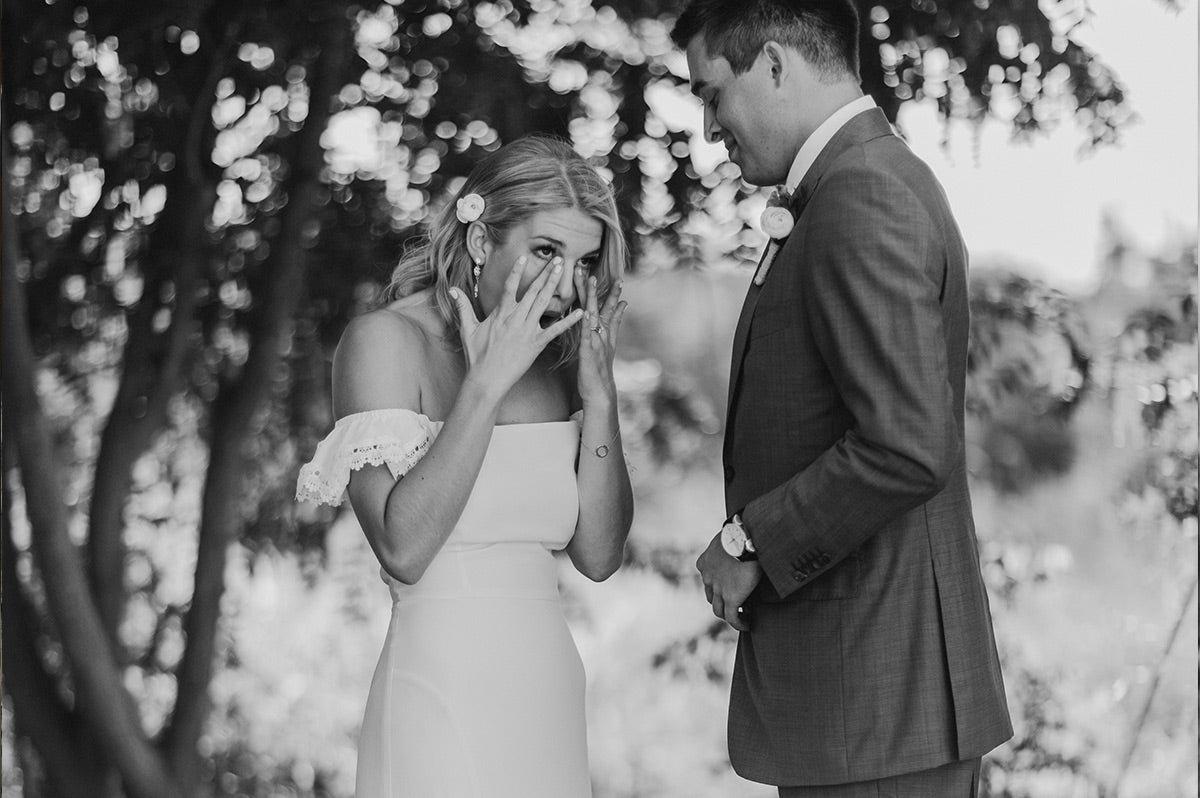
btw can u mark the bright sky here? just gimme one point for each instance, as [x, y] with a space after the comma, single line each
[1040, 204]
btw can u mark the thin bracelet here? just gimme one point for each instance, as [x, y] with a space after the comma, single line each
[603, 449]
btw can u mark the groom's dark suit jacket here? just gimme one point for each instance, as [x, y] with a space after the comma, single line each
[871, 651]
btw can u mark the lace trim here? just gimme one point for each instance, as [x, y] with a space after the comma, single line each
[328, 486]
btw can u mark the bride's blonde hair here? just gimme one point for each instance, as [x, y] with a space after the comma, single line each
[529, 175]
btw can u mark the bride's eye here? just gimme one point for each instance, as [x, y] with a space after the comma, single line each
[544, 252]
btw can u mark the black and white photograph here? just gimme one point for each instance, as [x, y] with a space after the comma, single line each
[599, 399]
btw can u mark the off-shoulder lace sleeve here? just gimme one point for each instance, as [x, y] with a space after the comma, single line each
[395, 438]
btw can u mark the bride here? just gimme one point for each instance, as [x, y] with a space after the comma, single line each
[477, 434]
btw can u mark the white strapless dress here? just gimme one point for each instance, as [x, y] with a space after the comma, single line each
[479, 690]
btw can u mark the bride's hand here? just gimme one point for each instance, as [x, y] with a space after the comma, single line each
[598, 340]
[502, 347]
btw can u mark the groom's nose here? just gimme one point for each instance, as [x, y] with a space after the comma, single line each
[712, 128]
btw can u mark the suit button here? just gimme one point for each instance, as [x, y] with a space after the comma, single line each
[729, 473]
[796, 577]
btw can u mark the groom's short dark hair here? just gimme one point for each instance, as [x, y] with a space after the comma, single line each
[825, 32]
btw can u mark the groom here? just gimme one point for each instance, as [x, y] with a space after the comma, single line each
[866, 664]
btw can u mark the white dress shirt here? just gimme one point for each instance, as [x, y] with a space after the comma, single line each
[822, 135]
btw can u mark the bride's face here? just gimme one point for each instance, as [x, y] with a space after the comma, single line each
[568, 234]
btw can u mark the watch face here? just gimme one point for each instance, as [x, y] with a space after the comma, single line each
[733, 540]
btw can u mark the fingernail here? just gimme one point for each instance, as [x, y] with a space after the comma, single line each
[454, 293]
[557, 267]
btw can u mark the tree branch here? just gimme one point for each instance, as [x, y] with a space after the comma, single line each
[1127, 760]
[154, 364]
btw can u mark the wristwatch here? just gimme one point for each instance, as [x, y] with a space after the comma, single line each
[736, 542]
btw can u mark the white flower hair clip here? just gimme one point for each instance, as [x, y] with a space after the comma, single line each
[777, 221]
[469, 208]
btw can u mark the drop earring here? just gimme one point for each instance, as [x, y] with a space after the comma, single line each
[476, 271]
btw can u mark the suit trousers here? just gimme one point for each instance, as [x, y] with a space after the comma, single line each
[955, 780]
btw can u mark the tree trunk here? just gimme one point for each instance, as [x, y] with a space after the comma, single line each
[43, 717]
[627, 174]
[154, 363]
[239, 408]
[101, 698]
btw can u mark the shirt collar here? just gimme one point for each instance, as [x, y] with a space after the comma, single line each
[822, 135]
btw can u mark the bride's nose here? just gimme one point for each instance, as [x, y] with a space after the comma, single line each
[565, 290]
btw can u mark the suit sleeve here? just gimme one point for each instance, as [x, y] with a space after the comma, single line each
[873, 269]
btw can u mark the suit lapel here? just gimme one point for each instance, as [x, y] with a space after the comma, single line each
[740, 334]
[862, 128]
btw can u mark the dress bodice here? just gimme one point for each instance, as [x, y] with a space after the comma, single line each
[525, 491]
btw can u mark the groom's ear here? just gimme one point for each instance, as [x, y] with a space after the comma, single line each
[777, 62]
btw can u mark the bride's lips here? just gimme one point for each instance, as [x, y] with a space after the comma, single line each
[553, 315]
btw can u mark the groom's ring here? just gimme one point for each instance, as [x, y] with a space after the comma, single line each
[598, 329]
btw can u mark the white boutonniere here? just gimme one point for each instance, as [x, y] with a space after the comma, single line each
[777, 220]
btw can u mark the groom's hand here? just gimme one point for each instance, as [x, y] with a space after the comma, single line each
[727, 583]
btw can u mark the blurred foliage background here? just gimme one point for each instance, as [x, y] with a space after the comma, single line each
[198, 196]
